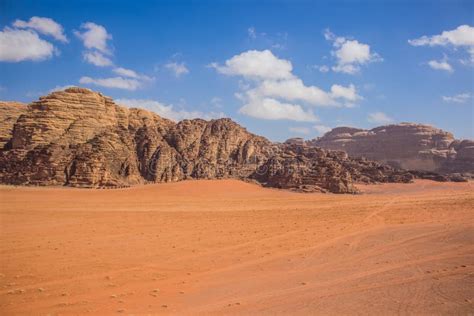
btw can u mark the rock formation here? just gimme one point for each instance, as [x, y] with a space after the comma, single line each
[9, 114]
[81, 138]
[406, 145]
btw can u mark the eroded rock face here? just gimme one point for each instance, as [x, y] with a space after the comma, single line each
[81, 138]
[406, 145]
[309, 168]
[9, 114]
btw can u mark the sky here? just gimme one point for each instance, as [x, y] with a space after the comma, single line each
[280, 68]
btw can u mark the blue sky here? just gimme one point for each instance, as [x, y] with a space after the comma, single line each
[280, 68]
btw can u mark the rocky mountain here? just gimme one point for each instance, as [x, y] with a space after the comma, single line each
[81, 138]
[406, 145]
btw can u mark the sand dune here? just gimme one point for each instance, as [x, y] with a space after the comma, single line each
[229, 247]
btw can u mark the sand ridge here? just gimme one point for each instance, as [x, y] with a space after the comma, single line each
[230, 247]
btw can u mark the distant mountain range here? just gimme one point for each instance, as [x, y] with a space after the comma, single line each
[81, 138]
[407, 145]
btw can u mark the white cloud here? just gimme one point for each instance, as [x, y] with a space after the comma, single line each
[350, 54]
[257, 65]
[95, 36]
[294, 90]
[178, 69]
[19, 45]
[97, 59]
[348, 93]
[379, 118]
[271, 89]
[124, 72]
[271, 109]
[114, 82]
[458, 98]
[44, 26]
[168, 111]
[440, 65]
[463, 35]
[353, 52]
[299, 130]
[321, 129]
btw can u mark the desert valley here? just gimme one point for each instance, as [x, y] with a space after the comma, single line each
[236, 157]
[222, 236]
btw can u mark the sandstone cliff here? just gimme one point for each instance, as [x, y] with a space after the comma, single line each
[81, 138]
[406, 145]
[9, 114]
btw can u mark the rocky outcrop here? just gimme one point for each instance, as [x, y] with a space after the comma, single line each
[308, 169]
[9, 114]
[406, 145]
[81, 138]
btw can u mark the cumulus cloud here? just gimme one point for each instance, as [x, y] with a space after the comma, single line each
[44, 26]
[271, 109]
[97, 59]
[95, 39]
[98, 53]
[440, 65]
[256, 65]
[321, 129]
[294, 90]
[168, 111]
[350, 53]
[20, 45]
[178, 69]
[349, 94]
[379, 118]
[299, 130]
[270, 90]
[461, 37]
[458, 98]
[94, 36]
[114, 82]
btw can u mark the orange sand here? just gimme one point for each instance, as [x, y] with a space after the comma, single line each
[229, 247]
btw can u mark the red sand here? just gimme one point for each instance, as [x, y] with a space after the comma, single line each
[229, 247]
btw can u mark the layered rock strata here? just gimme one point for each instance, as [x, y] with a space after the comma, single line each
[81, 138]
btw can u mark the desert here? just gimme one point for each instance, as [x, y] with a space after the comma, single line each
[213, 157]
[231, 247]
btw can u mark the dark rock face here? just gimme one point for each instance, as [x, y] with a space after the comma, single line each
[406, 145]
[306, 169]
[81, 138]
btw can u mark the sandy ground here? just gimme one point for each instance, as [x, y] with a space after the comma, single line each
[229, 247]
